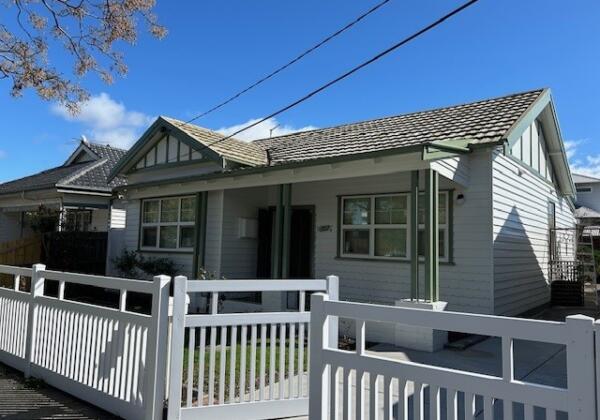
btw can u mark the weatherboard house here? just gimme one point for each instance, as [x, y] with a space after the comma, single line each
[358, 201]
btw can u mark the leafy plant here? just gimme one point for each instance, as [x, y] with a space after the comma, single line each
[132, 264]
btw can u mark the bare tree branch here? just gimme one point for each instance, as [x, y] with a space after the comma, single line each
[86, 30]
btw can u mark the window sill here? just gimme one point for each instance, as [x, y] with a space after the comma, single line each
[164, 251]
[383, 260]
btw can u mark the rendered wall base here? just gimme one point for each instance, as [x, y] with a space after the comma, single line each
[419, 338]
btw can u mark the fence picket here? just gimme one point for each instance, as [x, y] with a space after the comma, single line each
[211, 365]
[282, 361]
[272, 351]
[244, 338]
[418, 401]
[291, 357]
[190, 366]
[201, 366]
[232, 364]
[223, 360]
[252, 381]
[263, 360]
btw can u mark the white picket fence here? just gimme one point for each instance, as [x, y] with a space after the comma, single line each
[109, 357]
[356, 385]
[271, 347]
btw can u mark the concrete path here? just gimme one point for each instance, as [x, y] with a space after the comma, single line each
[20, 399]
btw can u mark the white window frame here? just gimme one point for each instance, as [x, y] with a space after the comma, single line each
[158, 224]
[371, 226]
[584, 190]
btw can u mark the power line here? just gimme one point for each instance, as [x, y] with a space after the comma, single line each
[350, 72]
[290, 63]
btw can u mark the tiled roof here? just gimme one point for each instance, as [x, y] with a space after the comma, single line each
[91, 175]
[480, 122]
[584, 179]
[97, 176]
[233, 149]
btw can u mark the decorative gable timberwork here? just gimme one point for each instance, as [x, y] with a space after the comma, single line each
[531, 149]
[168, 150]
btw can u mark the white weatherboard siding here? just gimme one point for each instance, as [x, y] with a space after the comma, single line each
[214, 232]
[239, 255]
[521, 235]
[466, 284]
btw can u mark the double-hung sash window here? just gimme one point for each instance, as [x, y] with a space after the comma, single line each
[168, 223]
[377, 226]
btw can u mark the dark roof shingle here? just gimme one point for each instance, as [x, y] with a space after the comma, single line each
[91, 175]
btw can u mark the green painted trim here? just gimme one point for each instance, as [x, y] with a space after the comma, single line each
[286, 230]
[200, 233]
[431, 235]
[414, 234]
[263, 169]
[277, 236]
[126, 161]
[527, 118]
[177, 164]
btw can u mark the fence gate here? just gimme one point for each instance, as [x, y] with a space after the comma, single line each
[251, 365]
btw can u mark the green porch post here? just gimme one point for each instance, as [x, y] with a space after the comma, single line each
[281, 233]
[200, 233]
[431, 236]
[287, 223]
[277, 236]
[414, 235]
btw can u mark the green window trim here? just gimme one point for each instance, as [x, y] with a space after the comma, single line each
[366, 228]
[167, 224]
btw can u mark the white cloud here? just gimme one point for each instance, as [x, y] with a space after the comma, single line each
[107, 121]
[587, 165]
[262, 130]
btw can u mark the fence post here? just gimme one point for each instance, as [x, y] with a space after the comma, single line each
[333, 293]
[580, 367]
[177, 344]
[37, 289]
[319, 335]
[157, 335]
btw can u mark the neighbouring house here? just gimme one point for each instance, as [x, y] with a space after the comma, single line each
[358, 201]
[73, 197]
[588, 199]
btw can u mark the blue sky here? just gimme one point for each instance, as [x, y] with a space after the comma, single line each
[215, 48]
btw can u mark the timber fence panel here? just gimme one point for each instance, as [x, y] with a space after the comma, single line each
[250, 365]
[109, 357]
[348, 384]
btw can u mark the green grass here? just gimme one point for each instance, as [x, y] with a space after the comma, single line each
[238, 373]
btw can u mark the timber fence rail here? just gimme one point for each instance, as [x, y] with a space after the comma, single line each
[360, 385]
[112, 358]
[251, 365]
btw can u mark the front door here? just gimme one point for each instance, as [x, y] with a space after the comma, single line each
[301, 242]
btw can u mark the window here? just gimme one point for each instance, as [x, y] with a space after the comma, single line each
[168, 223]
[442, 222]
[584, 189]
[377, 226]
[77, 220]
